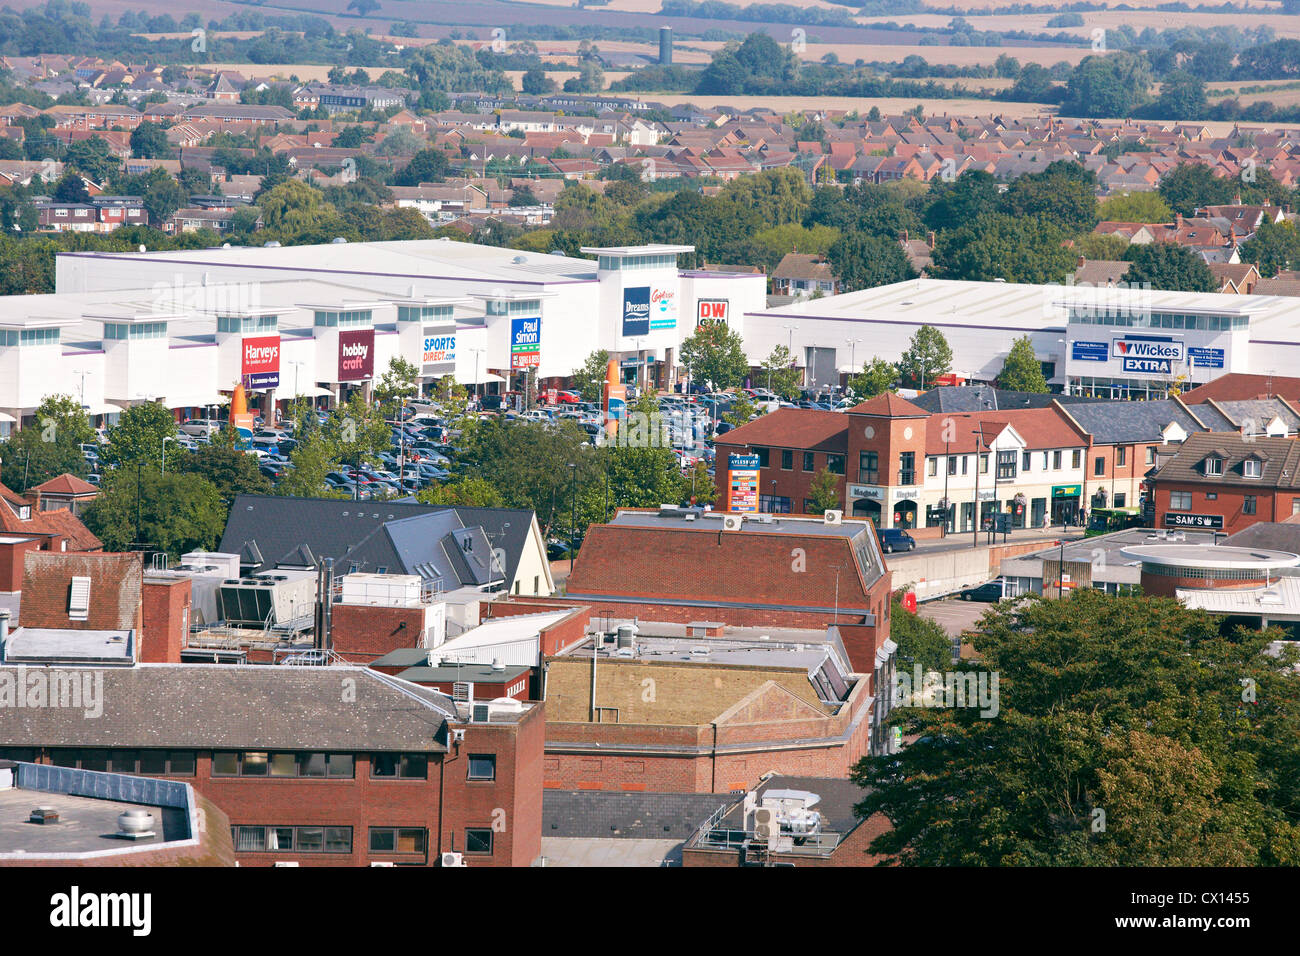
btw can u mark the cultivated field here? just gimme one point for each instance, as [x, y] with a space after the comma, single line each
[887, 105]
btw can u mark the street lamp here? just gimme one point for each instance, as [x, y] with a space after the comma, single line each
[975, 525]
[573, 526]
[166, 439]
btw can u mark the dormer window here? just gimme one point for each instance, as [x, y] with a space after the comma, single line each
[25, 513]
[1252, 468]
[1213, 467]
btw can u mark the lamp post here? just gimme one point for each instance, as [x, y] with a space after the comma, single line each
[975, 524]
[166, 439]
[573, 527]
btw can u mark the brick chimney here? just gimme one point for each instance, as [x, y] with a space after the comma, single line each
[930, 239]
[1080, 263]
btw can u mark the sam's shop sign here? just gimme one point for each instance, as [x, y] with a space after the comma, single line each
[356, 354]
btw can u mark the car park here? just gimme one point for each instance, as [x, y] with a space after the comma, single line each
[989, 591]
[205, 427]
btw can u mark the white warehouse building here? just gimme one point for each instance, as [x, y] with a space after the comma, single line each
[184, 327]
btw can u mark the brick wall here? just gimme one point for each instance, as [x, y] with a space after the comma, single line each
[364, 632]
[164, 619]
[11, 562]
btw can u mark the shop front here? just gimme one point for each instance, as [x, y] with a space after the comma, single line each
[1065, 503]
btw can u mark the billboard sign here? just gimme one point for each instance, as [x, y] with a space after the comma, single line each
[1148, 366]
[636, 311]
[1090, 351]
[742, 483]
[525, 343]
[259, 365]
[356, 354]
[663, 309]
[711, 312]
[1184, 519]
[439, 347]
[1205, 358]
[1142, 347]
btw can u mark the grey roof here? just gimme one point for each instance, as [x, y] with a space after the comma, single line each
[1213, 419]
[1270, 535]
[972, 398]
[1257, 412]
[592, 813]
[240, 707]
[1122, 422]
[375, 534]
[836, 804]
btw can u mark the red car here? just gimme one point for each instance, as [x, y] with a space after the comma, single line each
[568, 398]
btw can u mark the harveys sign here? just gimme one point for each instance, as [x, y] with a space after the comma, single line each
[259, 366]
[356, 354]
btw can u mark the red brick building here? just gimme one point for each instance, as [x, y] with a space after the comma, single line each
[1228, 481]
[337, 766]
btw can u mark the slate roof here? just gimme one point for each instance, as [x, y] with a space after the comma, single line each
[404, 536]
[971, 398]
[1269, 535]
[1280, 456]
[1121, 423]
[242, 707]
[1258, 412]
[590, 814]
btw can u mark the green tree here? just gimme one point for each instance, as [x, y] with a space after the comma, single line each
[876, 378]
[1275, 247]
[426, 166]
[163, 197]
[920, 640]
[589, 379]
[176, 512]
[928, 356]
[864, 262]
[312, 460]
[781, 375]
[230, 471]
[700, 484]
[1136, 207]
[47, 448]
[149, 141]
[535, 82]
[400, 380]
[1191, 186]
[1004, 247]
[93, 158]
[1064, 195]
[824, 492]
[138, 436]
[970, 196]
[1022, 372]
[1124, 703]
[1168, 266]
[742, 410]
[1182, 97]
[470, 492]
[1115, 84]
[715, 353]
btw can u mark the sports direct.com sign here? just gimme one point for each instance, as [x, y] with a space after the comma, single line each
[356, 355]
[259, 365]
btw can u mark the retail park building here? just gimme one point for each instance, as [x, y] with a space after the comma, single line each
[184, 327]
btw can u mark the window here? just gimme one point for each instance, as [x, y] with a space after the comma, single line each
[79, 599]
[1121, 499]
[1248, 505]
[762, 457]
[1006, 464]
[869, 467]
[808, 462]
[1295, 506]
[1209, 496]
[1213, 466]
[478, 840]
[1121, 456]
[1151, 454]
[984, 464]
[907, 468]
[1076, 458]
[835, 464]
[1056, 460]
[397, 840]
[482, 767]
[965, 460]
[298, 839]
[787, 460]
[932, 467]
[1025, 462]
[403, 766]
[1099, 466]
[952, 464]
[1180, 500]
[1252, 468]
[774, 504]
[253, 764]
[225, 764]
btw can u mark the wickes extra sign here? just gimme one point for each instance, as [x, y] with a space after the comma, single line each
[356, 354]
[1148, 355]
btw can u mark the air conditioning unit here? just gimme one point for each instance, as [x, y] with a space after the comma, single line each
[765, 824]
[463, 691]
[458, 736]
[834, 517]
[284, 863]
[481, 713]
[732, 522]
[453, 859]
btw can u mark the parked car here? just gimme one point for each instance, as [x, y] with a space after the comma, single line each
[205, 427]
[568, 398]
[896, 539]
[990, 591]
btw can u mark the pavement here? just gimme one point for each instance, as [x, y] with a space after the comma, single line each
[963, 540]
[953, 615]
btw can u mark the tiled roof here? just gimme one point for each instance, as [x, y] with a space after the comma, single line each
[59, 522]
[1041, 428]
[1123, 422]
[1281, 460]
[66, 485]
[803, 428]
[888, 405]
[1238, 385]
